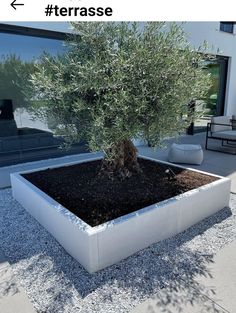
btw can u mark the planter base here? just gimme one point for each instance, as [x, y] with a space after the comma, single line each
[106, 244]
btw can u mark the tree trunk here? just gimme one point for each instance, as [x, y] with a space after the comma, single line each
[121, 161]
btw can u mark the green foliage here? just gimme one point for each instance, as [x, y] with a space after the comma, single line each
[14, 74]
[211, 96]
[121, 80]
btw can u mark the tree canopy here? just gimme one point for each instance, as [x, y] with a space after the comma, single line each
[119, 81]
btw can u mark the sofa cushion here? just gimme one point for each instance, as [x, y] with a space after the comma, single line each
[227, 134]
[221, 120]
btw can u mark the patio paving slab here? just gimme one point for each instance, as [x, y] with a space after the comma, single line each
[13, 299]
[219, 290]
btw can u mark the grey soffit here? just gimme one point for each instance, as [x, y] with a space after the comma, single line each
[35, 32]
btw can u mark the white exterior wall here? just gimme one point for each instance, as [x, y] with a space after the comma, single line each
[226, 43]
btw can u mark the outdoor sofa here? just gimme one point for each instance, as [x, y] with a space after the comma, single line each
[223, 129]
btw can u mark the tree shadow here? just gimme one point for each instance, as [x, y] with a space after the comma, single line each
[8, 285]
[179, 295]
[168, 267]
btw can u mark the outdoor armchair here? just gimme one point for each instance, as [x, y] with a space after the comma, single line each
[221, 128]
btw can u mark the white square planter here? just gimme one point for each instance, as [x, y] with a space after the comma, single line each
[100, 246]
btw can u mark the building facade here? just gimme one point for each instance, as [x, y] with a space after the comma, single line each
[221, 41]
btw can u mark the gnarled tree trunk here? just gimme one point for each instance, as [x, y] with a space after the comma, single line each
[121, 161]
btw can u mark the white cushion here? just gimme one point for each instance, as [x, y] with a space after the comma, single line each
[221, 120]
[185, 153]
[227, 134]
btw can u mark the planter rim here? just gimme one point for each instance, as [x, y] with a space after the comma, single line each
[96, 229]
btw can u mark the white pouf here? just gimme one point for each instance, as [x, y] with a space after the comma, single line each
[185, 153]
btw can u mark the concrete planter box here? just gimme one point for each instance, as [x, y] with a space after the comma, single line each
[98, 247]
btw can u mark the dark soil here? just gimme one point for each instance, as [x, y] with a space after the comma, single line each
[97, 199]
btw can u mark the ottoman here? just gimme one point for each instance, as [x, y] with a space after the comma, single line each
[185, 153]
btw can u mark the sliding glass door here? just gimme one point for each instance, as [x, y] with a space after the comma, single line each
[213, 104]
[24, 135]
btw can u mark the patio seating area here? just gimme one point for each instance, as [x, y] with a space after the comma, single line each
[222, 129]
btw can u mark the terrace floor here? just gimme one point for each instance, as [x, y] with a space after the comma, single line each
[220, 284]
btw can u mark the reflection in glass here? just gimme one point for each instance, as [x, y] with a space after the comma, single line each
[213, 103]
[23, 136]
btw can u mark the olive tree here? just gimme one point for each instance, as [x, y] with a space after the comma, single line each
[119, 81]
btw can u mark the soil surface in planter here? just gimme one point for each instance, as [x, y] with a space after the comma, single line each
[97, 199]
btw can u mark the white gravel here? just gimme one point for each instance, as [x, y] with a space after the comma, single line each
[55, 282]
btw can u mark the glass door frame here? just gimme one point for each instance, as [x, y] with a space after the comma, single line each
[223, 61]
[220, 107]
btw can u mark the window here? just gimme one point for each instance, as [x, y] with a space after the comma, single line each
[227, 27]
[23, 136]
[214, 102]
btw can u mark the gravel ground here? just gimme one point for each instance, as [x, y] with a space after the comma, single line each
[55, 282]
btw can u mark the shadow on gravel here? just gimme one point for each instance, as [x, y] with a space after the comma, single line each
[8, 286]
[170, 267]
